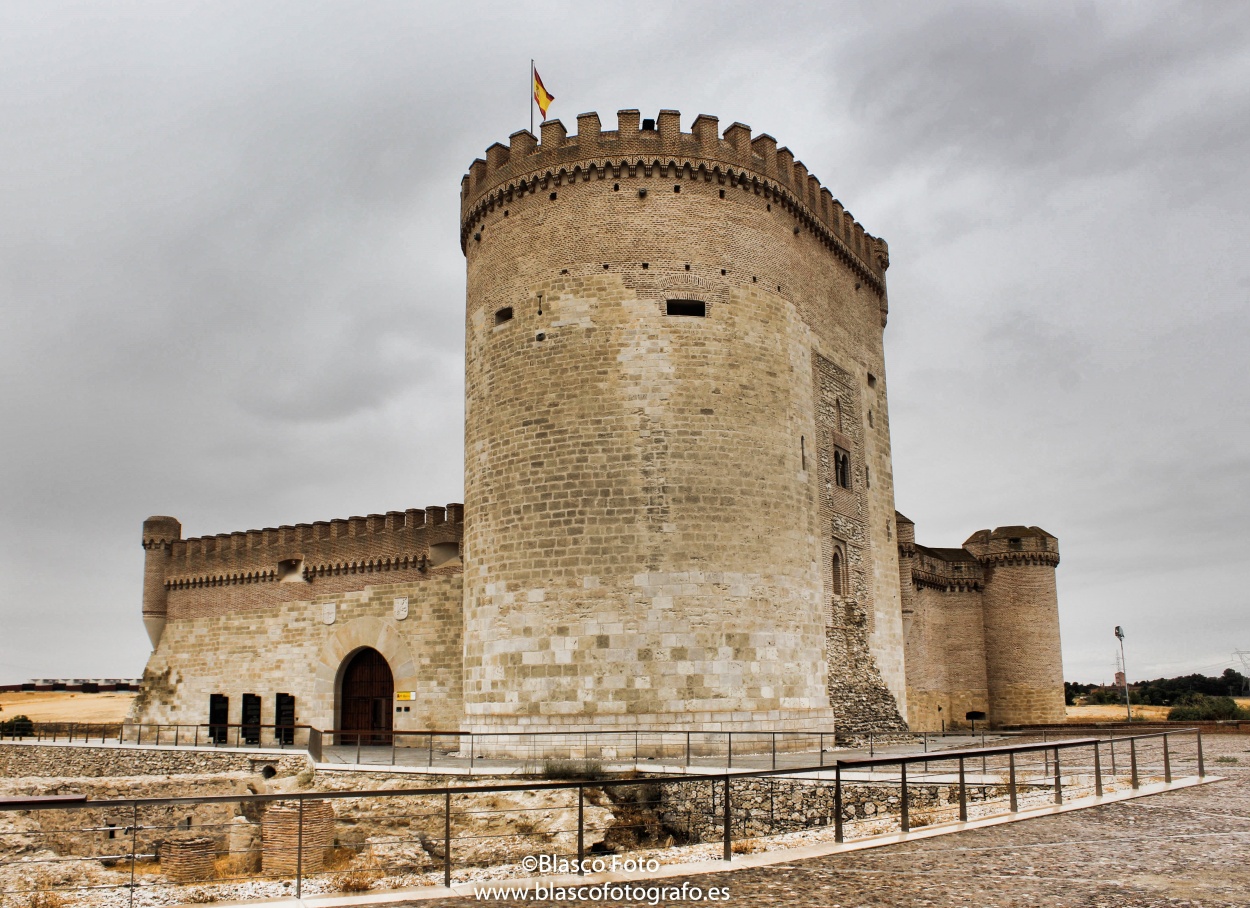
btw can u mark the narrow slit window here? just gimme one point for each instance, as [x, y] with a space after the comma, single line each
[503, 315]
[696, 308]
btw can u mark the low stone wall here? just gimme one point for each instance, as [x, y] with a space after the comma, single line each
[771, 806]
[18, 759]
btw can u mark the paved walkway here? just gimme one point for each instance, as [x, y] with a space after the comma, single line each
[1182, 849]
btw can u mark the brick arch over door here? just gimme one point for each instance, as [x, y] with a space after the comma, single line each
[348, 638]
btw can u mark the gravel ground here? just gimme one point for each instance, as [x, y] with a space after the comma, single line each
[1183, 849]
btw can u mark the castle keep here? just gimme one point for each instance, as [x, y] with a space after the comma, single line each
[679, 504]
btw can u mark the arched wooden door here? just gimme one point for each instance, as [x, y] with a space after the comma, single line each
[367, 699]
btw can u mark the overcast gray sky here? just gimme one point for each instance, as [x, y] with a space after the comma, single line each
[232, 291]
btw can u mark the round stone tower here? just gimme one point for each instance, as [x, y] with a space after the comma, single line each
[159, 533]
[1023, 663]
[649, 443]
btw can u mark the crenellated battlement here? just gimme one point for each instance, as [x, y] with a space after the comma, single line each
[1014, 545]
[302, 552]
[643, 148]
[949, 570]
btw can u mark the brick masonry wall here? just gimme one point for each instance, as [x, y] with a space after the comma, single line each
[644, 536]
[294, 650]
[213, 575]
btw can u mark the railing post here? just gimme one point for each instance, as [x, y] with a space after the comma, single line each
[1132, 753]
[837, 804]
[430, 762]
[635, 747]
[1011, 782]
[358, 737]
[1058, 779]
[1202, 767]
[1167, 760]
[472, 751]
[729, 759]
[134, 849]
[299, 852]
[728, 827]
[447, 838]
[906, 820]
[870, 750]
[963, 793]
[774, 750]
[1097, 770]
[581, 830]
[1113, 769]
[177, 733]
[822, 749]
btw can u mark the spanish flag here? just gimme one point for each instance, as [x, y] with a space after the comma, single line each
[541, 95]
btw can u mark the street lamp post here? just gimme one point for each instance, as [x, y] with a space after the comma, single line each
[1119, 633]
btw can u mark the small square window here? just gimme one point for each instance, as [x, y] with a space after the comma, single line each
[503, 315]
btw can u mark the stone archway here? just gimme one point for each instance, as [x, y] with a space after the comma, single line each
[348, 639]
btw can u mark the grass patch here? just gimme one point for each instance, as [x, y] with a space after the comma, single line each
[554, 770]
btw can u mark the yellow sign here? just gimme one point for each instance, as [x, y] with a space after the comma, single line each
[405, 695]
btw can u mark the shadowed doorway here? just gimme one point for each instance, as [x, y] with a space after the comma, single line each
[368, 693]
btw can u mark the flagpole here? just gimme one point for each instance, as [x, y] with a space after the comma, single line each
[531, 95]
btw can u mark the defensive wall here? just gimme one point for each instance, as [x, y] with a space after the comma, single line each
[982, 628]
[280, 610]
[675, 416]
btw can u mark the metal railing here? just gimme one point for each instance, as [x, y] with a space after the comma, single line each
[305, 842]
[487, 751]
[205, 734]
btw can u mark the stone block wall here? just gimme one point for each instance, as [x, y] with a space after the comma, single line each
[644, 542]
[299, 648]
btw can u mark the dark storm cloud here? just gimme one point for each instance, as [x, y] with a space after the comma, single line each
[232, 289]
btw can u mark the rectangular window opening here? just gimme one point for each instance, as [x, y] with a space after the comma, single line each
[284, 719]
[696, 308]
[503, 315]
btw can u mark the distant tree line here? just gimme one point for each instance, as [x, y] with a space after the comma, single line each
[1192, 697]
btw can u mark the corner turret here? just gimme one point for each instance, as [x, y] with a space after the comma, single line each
[1024, 666]
[159, 535]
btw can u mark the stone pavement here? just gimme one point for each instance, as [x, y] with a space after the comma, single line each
[1183, 849]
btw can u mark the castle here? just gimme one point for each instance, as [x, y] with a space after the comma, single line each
[679, 504]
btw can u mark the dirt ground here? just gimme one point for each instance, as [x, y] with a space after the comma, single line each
[66, 706]
[1181, 849]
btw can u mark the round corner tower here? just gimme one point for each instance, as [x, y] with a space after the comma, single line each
[675, 432]
[159, 533]
[1023, 662]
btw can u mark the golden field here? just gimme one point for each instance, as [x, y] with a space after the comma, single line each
[66, 706]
